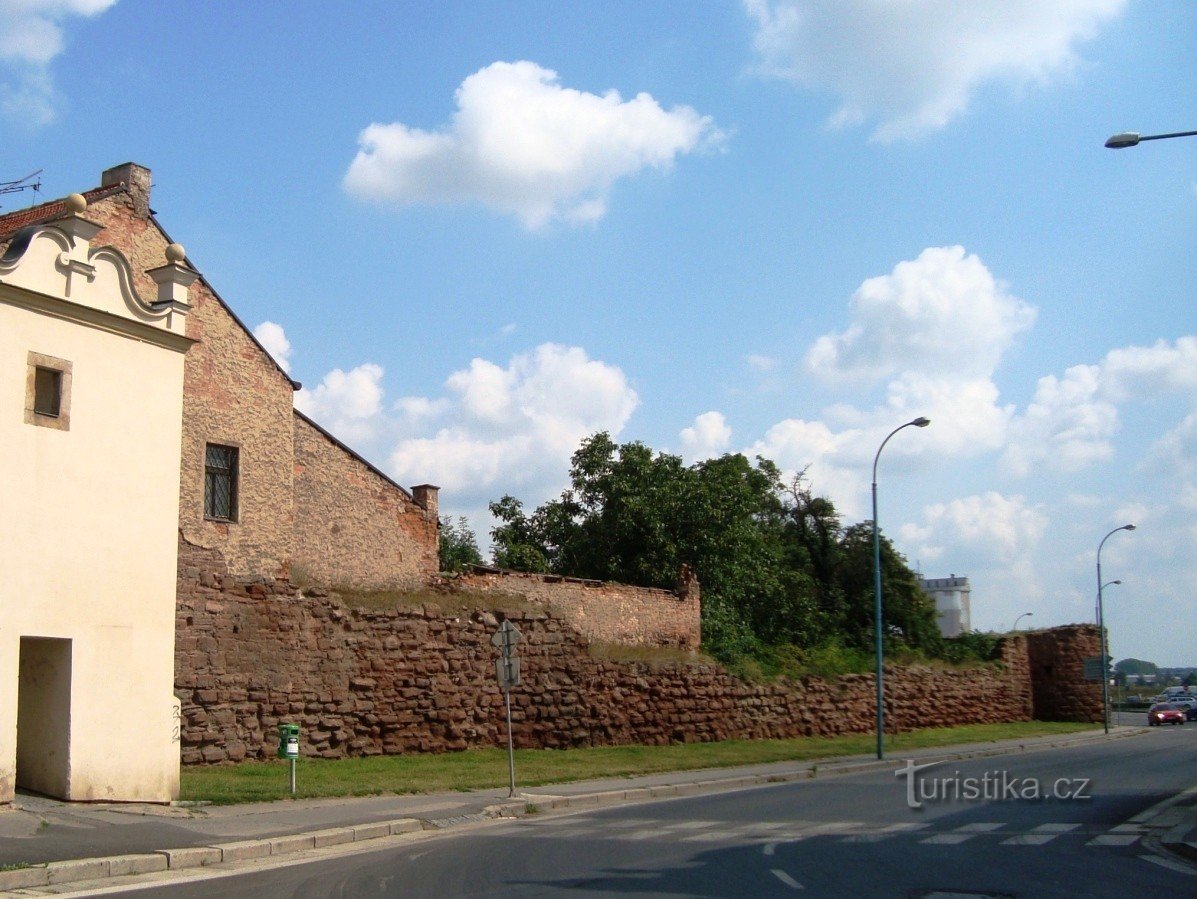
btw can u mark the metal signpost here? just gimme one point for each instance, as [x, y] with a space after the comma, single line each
[507, 637]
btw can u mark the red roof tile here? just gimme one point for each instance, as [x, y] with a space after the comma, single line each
[47, 212]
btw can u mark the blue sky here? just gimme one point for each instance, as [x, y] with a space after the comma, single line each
[478, 232]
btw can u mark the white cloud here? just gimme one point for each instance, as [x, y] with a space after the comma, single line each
[761, 363]
[915, 66]
[708, 437]
[833, 461]
[1005, 527]
[1176, 452]
[521, 143]
[274, 339]
[943, 313]
[346, 403]
[514, 428]
[31, 37]
[934, 330]
[1071, 421]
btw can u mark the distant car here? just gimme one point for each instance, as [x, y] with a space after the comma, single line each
[1165, 713]
[1191, 713]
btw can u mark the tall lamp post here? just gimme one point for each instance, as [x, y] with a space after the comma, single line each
[1101, 632]
[1125, 139]
[919, 422]
[1020, 618]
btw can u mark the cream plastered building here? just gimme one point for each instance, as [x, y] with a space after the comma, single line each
[91, 396]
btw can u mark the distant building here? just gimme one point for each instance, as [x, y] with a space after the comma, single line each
[951, 595]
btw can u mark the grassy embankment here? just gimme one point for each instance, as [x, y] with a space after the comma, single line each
[487, 768]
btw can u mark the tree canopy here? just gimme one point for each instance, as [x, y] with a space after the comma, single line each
[458, 547]
[776, 565]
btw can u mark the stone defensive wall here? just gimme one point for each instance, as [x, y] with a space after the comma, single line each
[604, 611]
[252, 654]
[1057, 657]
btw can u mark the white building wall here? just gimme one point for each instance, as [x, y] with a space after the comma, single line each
[88, 533]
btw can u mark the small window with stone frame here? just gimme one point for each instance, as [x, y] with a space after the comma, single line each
[48, 391]
[221, 476]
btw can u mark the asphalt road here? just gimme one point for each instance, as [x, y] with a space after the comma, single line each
[979, 829]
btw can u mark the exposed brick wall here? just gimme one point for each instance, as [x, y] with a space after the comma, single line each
[251, 655]
[1057, 669]
[604, 611]
[356, 529]
[353, 526]
[233, 394]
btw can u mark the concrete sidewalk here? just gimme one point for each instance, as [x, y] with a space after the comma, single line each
[63, 842]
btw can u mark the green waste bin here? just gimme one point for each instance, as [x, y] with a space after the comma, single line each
[288, 741]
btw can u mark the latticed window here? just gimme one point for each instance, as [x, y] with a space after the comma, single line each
[220, 482]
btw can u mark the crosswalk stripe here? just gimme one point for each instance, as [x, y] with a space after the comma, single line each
[777, 833]
[1114, 839]
[1030, 839]
[948, 839]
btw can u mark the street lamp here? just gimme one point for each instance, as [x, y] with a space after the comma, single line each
[1020, 618]
[919, 422]
[1132, 139]
[1101, 632]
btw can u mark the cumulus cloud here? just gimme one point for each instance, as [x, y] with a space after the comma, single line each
[274, 339]
[1007, 527]
[708, 437]
[914, 67]
[31, 37]
[521, 143]
[1176, 451]
[943, 313]
[1071, 421]
[513, 428]
[347, 403]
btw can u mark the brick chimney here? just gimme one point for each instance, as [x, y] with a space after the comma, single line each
[136, 179]
[427, 497]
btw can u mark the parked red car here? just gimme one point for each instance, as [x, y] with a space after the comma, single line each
[1166, 713]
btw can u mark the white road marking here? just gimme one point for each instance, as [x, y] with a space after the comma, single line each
[1113, 839]
[885, 833]
[1171, 865]
[1030, 839]
[948, 839]
[1056, 828]
[983, 827]
[787, 879]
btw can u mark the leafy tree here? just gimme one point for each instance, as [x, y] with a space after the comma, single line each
[1136, 666]
[516, 544]
[458, 547]
[777, 568]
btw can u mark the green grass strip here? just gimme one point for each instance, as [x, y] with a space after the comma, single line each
[478, 769]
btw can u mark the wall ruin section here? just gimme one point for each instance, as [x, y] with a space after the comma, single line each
[354, 526]
[1057, 659]
[600, 610]
[252, 654]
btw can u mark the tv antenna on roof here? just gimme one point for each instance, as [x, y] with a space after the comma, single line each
[12, 187]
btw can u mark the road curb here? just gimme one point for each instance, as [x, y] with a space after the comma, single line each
[91, 869]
